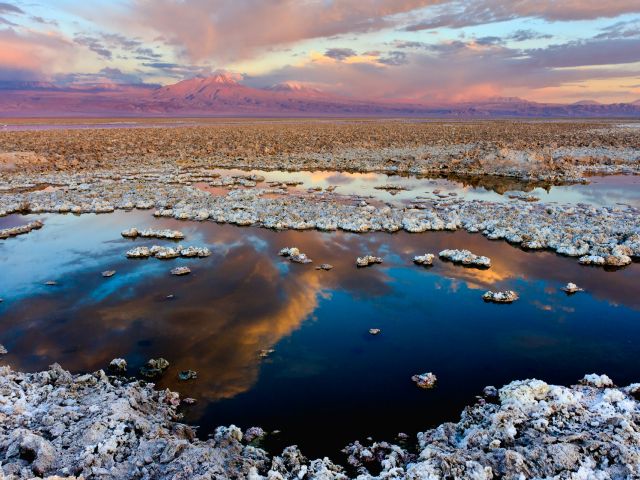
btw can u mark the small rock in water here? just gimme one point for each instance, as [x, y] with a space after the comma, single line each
[51, 282]
[15, 231]
[170, 297]
[131, 233]
[191, 252]
[465, 257]
[187, 375]
[570, 288]
[139, 252]
[151, 233]
[108, 273]
[165, 253]
[425, 380]
[180, 271]
[288, 251]
[3, 350]
[154, 368]
[426, 259]
[374, 331]
[189, 401]
[367, 260]
[324, 266]
[508, 296]
[266, 352]
[118, 365]
[294, 255]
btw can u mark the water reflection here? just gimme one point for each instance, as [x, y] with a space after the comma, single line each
[327, 373]
[601, 191]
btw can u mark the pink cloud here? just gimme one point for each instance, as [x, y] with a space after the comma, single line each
[461, 13]
[33, 54]
[229, 30]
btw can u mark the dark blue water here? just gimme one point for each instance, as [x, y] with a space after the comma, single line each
[329, 381]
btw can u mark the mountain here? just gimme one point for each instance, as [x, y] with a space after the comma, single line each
[224, 94]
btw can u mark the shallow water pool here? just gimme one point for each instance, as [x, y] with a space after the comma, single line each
[328, 381]
[600, 191]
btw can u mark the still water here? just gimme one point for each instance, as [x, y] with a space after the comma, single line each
[328, 381]
[599, 191]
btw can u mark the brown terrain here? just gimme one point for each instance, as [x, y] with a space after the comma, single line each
[294, 144]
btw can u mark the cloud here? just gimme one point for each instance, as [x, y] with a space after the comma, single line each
[523, 35]
[105, 75]
[8, 8]
[181, 71]
[462, 13]
[395, 57]
[93, 44]
[340, 53]
[228, 30]
[624, 29]
[587, 53]
[32, 55]
[459, 70]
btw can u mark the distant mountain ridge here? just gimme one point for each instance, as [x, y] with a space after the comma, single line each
[223, 94]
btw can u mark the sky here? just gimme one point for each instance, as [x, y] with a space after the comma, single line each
[413, 50]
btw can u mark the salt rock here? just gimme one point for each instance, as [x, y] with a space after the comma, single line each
[253, 433]
[598, 381]
[324, 266]
[465, 257]
[572, 288]
[367, 260]
[294, 255]
[592, 260]
[3, 350]
[425, 380]
[374, 331]
[199, 252]
[118, 365]
[179, 271]
[139, 252]
[617, 260]
[426, 259]
[154, 368]
[166, 233]
[130, 233]
[165, 253]
[288, 251]
[108, 273]
[508, 296]
[21, 230]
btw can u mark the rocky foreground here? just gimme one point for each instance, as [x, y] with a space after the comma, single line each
[54, 423]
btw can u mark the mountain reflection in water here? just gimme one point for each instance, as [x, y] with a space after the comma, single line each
[328, 381]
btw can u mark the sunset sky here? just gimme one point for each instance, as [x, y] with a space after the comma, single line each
[418, 50]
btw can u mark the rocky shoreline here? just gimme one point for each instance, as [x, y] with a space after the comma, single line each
[601, 236]
[54, 423]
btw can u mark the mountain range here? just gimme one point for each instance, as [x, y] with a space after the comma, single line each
[224, 95]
